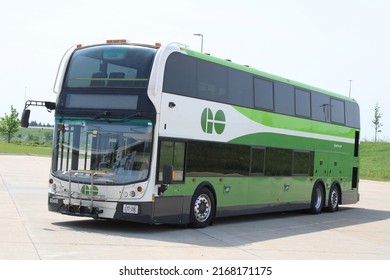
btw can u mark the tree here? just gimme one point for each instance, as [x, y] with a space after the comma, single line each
[9, 125]
[376, 120]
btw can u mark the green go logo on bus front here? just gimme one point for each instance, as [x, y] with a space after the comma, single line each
[213, 123]
[89, 190]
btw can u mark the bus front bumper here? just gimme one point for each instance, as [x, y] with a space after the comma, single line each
[167, 210]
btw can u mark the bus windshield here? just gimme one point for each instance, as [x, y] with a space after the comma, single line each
[119, 152]
[110, 66]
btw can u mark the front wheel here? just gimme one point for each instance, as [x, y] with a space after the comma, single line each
[202, 208]
[317, 199]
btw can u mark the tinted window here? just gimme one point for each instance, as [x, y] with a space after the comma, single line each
[337, 111]
[301, 163]
[302, 103]
[110, 66]
[257, 161]
[212, 81]
[215, 159]
[180, 75]
[284, 98]
[264, 96]
[194, 77]
[172, 153]
[320, 107]
[352, 115]
[240, 88]
[278, 162]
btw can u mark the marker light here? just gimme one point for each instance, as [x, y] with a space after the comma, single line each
[116, 41]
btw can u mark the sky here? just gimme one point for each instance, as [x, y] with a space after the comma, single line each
[338, 45]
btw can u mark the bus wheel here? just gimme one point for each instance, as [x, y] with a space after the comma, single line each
[334, 199]
[202, 208]
[317, 199]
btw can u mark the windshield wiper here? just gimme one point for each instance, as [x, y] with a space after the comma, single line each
[102, 114]
[107, 114]
[135, 115]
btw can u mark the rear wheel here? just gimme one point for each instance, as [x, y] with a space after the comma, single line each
[202, 208]
[334, 199]
[317, 199]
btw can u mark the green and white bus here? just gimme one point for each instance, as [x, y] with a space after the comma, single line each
[164, 134]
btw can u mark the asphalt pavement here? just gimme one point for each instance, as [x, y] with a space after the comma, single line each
[29, 232]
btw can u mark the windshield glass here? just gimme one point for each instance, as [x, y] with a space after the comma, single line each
[119, 153]
[110, 66]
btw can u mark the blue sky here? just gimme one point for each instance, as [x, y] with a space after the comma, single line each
[324, 43]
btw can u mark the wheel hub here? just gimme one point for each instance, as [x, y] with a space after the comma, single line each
[202, 208]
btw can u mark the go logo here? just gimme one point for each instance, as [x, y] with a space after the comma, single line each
[211, 122]
[85, 189]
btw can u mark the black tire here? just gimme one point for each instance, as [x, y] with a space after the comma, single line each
[334, 199]
[317, 199]
[202, 208]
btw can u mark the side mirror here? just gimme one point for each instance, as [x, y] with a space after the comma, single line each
[168, 174]
[24, 121]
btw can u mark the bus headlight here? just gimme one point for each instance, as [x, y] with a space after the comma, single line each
[53, 188]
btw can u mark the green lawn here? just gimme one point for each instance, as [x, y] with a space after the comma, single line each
[11, 148]
[375, 161]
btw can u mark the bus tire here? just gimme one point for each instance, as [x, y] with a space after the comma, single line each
[334, 198]
[317, 199]
[202, 208]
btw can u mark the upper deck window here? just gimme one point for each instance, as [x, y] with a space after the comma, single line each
[110, 66]
[198, 78]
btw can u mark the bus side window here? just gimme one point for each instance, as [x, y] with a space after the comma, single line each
[172, 153]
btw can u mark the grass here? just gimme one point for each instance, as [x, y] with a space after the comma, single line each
[375, 161]
[28, 141]
[12, 148]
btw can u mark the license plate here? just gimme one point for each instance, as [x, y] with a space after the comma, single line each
[130, 209]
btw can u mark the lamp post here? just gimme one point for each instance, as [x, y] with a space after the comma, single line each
[201, 44]
[350, 86]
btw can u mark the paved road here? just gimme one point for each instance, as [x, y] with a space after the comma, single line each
[29, 232]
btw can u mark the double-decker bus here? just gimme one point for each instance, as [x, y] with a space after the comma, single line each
[164, 134]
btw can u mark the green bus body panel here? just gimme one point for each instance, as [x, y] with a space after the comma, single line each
[298, 124]
[293, 142]
[236, 191]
